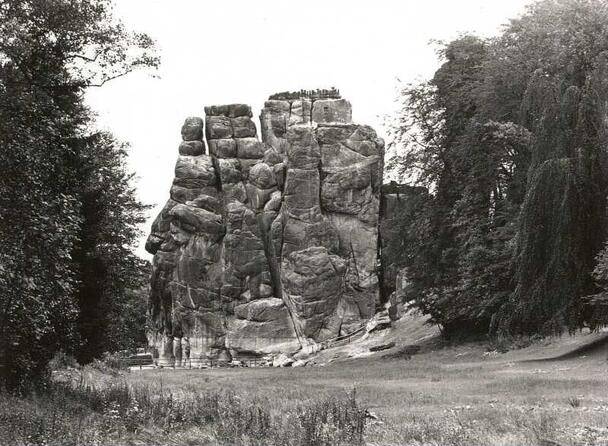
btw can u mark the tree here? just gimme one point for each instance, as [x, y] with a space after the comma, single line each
[597, 304]
[467, 162]
[108, 272]
[50, 51]
[562, 223]
[509, 137]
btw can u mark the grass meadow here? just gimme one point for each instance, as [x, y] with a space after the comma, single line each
[445, 396]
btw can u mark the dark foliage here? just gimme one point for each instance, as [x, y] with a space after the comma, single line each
[509, 137]
[67, 211]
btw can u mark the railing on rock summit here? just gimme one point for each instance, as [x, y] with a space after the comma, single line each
[332, 93]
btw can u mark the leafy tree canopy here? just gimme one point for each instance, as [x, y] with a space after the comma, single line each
[67, 207]
[509, 137]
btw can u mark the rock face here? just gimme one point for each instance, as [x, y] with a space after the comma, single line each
[265, 247]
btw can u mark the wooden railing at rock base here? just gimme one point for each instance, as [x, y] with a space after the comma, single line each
[347, 337]
[192, 363]
[197, 363]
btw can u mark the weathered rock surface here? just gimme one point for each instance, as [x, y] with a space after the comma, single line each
[282, 360]
[270, 246]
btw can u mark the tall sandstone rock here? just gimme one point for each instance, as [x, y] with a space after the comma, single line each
[265, 247]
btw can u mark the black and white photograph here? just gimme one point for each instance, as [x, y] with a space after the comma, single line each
[275, 223]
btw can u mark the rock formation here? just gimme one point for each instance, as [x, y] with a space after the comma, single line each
[267, 246]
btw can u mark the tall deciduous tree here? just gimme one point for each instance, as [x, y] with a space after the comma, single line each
[108, 272]
[468, 163]
[51, 163]
[509, 136]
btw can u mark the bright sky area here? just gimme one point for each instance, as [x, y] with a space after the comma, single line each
[220, 52]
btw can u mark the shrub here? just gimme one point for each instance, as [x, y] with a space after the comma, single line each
[111, 363]
[62, 361]
[574, 402]
[335, 420]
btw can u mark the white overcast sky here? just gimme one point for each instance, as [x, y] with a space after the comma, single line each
[219, 52]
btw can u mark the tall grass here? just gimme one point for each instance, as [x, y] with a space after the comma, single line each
[122, 414]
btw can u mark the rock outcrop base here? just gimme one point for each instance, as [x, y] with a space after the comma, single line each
[267, 246]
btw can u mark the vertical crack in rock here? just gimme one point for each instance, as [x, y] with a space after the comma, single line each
[258, 322]
[267, 246]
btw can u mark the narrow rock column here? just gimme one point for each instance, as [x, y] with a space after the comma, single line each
[329, 210]
[186, 243]
[166, 357]
[258, 321]
[177, 351]
[352, 165]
